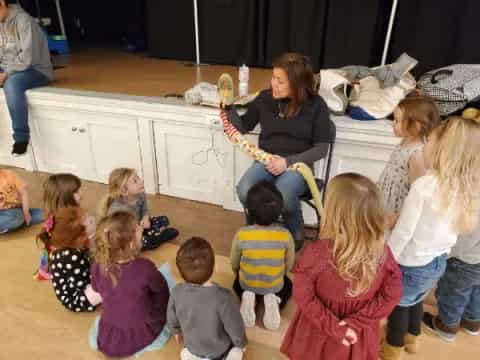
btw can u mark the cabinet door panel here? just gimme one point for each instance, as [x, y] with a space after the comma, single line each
[59, 145]
[113, 143]
[185, 166]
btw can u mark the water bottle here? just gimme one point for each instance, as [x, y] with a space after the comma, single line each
[243, 76]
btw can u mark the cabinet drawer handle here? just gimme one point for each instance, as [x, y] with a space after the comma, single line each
[74, 129]
[82, 130]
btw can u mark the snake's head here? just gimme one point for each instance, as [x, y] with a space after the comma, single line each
[225, 89]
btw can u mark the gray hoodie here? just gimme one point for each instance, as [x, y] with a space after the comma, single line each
[23, 44]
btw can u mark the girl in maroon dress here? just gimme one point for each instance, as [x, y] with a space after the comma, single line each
[345, 284]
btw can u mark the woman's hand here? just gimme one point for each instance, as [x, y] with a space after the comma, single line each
[277, 165]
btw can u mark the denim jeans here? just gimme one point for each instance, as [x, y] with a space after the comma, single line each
[458, 293]
[14, 88]
[417, 281]
[12, 219]
[291, 184]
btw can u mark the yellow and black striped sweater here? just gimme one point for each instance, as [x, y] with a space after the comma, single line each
[262, 255]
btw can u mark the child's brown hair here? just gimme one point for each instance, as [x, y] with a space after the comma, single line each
[58, 192]
[196, 260]
[420, 115]
[116, 242]
[65, 229]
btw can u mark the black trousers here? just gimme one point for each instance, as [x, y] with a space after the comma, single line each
[285, 294]
[404, 320]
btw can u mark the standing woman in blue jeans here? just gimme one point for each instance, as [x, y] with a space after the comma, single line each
[295, 127]
[24, 64]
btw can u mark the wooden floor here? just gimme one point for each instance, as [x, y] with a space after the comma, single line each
[114, 71]
[36, 326]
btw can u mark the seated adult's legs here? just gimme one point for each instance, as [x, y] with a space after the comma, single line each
[14, 88]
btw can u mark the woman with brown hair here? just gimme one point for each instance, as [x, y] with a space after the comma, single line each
[295, 127]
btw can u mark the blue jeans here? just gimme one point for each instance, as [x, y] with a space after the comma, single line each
[14, 88]
[417, 281]
[458, 293]
[12, 219]
[292, 186]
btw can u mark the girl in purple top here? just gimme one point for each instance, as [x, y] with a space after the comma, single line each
[135, 294]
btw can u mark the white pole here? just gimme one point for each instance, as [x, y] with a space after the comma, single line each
[197, 42]
[60, 17]
[389, 31]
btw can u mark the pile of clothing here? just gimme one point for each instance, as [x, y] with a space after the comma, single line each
[373, 93]
[367, 93]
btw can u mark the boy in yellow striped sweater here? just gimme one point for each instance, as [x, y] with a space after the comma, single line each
[262, 254]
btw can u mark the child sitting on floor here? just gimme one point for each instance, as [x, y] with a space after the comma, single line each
[202, 314]
[126, 192]
[14, 204]
[70, 261]
[134, 292]
[61, 191]
[261, 256]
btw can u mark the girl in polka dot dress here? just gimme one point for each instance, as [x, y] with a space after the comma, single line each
[60, 191]
[70, 261]
[414, 118]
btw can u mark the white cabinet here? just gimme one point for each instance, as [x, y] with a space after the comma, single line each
[112, 142]
[86, 144]
[180, 150]
[362, 147]
[59, 144]
[190, 161]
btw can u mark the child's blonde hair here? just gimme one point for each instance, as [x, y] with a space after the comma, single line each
[115, 241]
[456, 162]
[117, 182]
[420, 115]
[58, 192]
[355, 220]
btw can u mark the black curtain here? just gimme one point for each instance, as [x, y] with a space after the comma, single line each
[296, 25]
[437, 33]
[331, 32]
[170, 29]
[232, 31]
[355, 32]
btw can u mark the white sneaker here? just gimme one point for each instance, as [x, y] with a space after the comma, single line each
[187, 355]
[247, 308]
[271, 319]
[235, 353]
